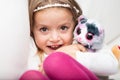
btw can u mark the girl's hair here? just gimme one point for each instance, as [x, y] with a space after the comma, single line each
[34, 4]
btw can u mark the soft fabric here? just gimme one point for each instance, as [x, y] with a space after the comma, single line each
[102, 62]
[60, 66]
[89, 33]
[33, 75]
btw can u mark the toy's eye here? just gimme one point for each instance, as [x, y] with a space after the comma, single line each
[78, 31]
[89, 36]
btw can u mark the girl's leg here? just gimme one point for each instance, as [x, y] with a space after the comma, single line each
[33, 75]
[60, 66]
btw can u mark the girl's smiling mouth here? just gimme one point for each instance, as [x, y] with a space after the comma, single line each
[54, 47]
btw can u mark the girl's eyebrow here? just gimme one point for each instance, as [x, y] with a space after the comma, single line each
[68, 22]
[40, 25]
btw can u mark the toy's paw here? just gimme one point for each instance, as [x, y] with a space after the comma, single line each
[116, 51]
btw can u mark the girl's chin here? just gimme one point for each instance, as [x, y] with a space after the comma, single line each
[50, 52]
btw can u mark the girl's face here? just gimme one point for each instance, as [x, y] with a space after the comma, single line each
[53, 28]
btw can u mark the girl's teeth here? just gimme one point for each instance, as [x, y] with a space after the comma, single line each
[54, 46]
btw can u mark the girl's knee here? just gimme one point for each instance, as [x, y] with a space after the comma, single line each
[54, 61]
[33, 75]
[55, 58]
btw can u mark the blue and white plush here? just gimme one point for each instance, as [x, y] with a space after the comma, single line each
[89, 33]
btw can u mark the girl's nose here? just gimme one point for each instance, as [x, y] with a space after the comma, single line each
[55, 37]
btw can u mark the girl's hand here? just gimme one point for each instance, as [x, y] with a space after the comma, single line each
[116, 51]
[71, 49]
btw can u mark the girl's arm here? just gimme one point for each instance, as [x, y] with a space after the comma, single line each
[71, 49]
[102, 63]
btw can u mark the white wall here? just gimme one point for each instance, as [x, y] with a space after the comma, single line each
[107, 12]
[14, 42]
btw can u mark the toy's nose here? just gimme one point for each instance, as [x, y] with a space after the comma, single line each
[79, 39]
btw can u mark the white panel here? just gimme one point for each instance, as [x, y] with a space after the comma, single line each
[14, 38]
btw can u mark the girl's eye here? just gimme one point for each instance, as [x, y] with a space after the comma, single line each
[43, 29]
[64, 28]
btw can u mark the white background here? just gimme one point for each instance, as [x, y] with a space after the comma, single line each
[14, 38]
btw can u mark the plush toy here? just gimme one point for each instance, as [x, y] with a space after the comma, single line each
[116, 51]
[89, 33]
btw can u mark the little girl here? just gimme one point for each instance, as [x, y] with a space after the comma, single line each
[52, 23]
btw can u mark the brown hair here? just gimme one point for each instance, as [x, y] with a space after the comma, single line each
[33, 4]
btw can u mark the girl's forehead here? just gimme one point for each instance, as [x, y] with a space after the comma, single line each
[54, 14]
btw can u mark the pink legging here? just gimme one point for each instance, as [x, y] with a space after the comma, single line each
[60, 66]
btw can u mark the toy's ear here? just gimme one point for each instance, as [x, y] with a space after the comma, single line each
[82, 19]
[116, 51]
